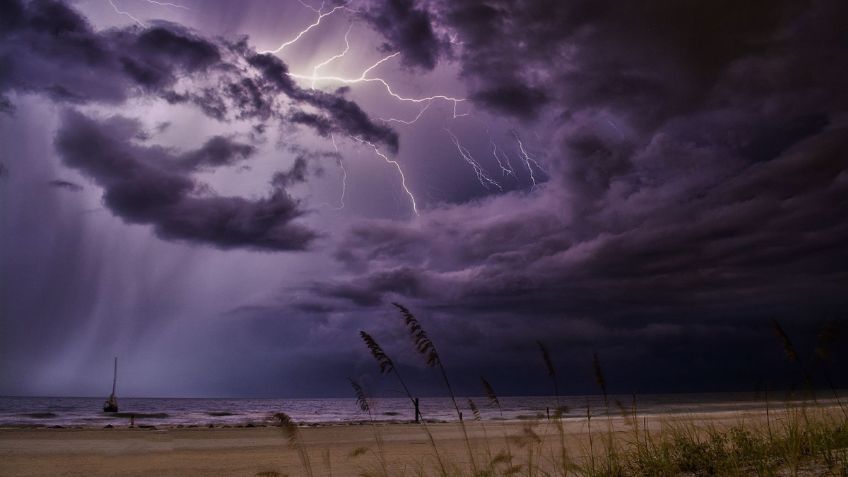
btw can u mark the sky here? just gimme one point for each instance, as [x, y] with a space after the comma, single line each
[223, 194]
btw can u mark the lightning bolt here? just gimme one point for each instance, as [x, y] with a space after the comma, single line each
[152, 2]
[527, 158]
[501, 157]
[505, 170]
[411, 121]
[332, 58]
[344, 175]
[321, 16]
[363, 78]
[166, 4]
[481, 174]
[316, 10]
[125, 13]
[397, 166]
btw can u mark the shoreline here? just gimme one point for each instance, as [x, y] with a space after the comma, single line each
[250, 451]
[122, 421]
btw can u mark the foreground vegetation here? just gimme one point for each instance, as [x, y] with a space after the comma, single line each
[806, 437]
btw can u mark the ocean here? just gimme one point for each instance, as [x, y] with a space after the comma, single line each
[188, 412]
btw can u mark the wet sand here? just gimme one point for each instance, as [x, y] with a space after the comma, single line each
[252, 451]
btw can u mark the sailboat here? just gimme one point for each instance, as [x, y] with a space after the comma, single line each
[111, 404]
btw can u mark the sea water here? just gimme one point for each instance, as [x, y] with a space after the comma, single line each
[174, 412]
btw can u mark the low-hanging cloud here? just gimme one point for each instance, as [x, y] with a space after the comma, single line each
[150, 185]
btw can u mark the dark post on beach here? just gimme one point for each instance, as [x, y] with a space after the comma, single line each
[417, 413]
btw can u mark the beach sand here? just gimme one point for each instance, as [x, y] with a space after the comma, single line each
[252, 451]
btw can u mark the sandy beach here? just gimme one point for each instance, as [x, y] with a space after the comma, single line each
[253, 451]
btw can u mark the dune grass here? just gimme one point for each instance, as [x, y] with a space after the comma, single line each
[795, 438]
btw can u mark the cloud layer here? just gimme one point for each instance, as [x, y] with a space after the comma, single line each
[71, 63]
[694, 185]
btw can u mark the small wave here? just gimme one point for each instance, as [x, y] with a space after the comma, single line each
[40, 415]
[219, 413]
[140, 415]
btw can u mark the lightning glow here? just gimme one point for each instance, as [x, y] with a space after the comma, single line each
[481, 174]
[397, 166]
[363, 78]
[332, 58]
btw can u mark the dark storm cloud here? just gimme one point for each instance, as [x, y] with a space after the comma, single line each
[63, 184]
[6, 105]
[657, 58]
[334, 112]
[370, 290]
[144, 184]
[409, 30]
[697, 186]
[296, 174]
[218, 151]
[347, 117]
[520, 100]
[69, 61]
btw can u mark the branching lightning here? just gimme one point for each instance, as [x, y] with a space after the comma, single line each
[316, 10]
[152, 2]
[363, 78]
[125, 13]
[367, 77]
[321, 16]
[501, 157]
[332, 58]
[411, 121]
[506, 170]
[481, 174]
[397, 166]
[527, 158]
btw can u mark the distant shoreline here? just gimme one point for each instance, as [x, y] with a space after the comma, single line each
[142, 421]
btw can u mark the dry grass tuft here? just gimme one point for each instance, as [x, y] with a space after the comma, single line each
[474, 411]
[419, 337]
[358, 452]
[386, 364]
[290, 430]
[599, 374]
[490, 393]
[361, 399]
[788, 347]
[546, 357]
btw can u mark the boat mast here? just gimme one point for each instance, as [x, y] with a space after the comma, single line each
[114, 376]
